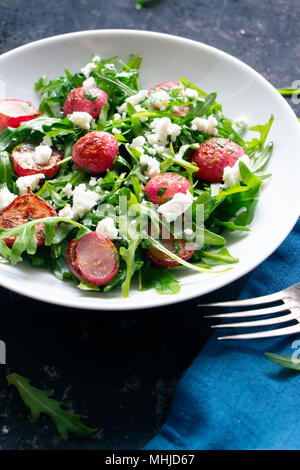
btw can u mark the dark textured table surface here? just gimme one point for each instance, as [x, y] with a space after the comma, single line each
[119, 370]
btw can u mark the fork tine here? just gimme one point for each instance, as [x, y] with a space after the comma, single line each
[245, 302]
[251, 313]
[289, 330]
[268, 321]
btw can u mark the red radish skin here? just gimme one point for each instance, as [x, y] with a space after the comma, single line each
[161, 188]
[170, 84]
[97, 258]
[13, 112]
[178, 110]
[23, 209]
[163, 260]
[95, 152]
[213, 156]
[27, 166]
[77, 101]
[71, 259]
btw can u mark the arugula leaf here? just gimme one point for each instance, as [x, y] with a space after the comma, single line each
[161, 279]
[257, 144]
[202, 107]
[6, 171]
[231, 226]
[262, 157]
[159, 246]
[289, 91]
[221, 257]
[26, 236]
[132, 264]
[38, 402]
[87, 285]
[284, 361]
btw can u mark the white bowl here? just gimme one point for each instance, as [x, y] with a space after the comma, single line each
[241, 91]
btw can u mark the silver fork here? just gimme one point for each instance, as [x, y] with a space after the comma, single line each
[290, 299]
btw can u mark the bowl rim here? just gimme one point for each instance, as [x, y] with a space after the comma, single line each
[163, 300]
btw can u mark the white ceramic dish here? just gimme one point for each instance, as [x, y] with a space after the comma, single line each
[241, 91]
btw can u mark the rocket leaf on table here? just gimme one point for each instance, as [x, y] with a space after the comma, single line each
[284, 361]
[39, 401]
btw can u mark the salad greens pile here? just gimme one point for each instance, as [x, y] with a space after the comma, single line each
[225, 210]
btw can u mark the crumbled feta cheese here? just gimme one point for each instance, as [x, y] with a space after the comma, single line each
[93, 181]
[208, 126]
[115, 130]
[138, 142]
[47, 141]
[151, 151]
[6, 198]
[241, 121]
[117, 116]
[134, 100]
[83, 200]
[42, 154]
[232, 175]
[160, 99]
[68, 190]
[30, 181]
[86, 70]
[96, 58]
[110, 66]
[107, 227]
[66, 212]
[153, 168]
[162, 128]
[176, 206]
[190, 93]
[89, 82]
[81, 119]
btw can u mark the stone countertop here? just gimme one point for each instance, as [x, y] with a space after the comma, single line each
[120, 370]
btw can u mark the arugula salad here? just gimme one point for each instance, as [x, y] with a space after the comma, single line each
[108, 181]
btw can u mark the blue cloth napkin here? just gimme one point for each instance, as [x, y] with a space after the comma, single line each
[232, 396]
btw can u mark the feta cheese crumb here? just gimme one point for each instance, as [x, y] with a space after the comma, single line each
[86, 70]
[83, 201]
[93, 181]
[241, 121]
[66, 212]
[138, 142]
[81, 119]
[162, 128]
[115, 130]
[176, 206]
[232, 175]
[47, 141]
[117, 116]
[153, 168]
[107, 227]
[96, 58]
[6, 198]
[160, 99]
[30, 181]
[42, 154]
[190, 93]
[89, 82]
[135, 99]
[208, 126]
[68, 190]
